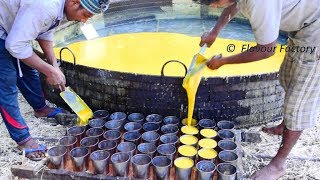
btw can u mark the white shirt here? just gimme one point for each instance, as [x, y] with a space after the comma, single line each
[22, 21]
[298, 17]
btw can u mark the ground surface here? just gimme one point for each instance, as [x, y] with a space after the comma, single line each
[308, 146]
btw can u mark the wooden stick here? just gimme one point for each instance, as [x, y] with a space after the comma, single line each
[240, 170]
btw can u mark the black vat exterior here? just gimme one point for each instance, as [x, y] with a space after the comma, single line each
[248, 101]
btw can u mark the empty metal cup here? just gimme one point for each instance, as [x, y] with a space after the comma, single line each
[140, 165]
[168, 150]
[227, 145]
[228, 157]
[205, 170]
[183, 167]
[120, 162]
[69, 142]
[169, 139]
[79, 157]
[100, 161]
[161, 166]
[226, 135]
[226, 171]
[121, 116]
[225, 125]
[127, 147]
[133, 127]
[207, 124]
[91, 143]
[171, 120]
[57, 156]
[101, 114]
[194, 122]
[114, 125]
[151, 137]
[133, 137]
[108, 145]
[147, 148]
[154, 118]
[95, 132]
[113, 135]
[170, 129]
[136, 117]
[78, 132]
[97, 123]
[151, 127]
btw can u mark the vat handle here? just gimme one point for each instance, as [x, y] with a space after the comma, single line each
[164, 65]
[74, 57]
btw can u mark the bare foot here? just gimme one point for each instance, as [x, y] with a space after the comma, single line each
[32, 144]
[270, 172]
[277, 130]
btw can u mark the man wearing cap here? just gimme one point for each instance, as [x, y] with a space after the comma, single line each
[299, 73]
[21, 22]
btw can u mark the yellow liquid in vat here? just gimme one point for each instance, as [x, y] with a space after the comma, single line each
[207, 153]
[189, 130]
[207, 143]
[187, 150]
[183, 162]
[188, 139]
[208, 133]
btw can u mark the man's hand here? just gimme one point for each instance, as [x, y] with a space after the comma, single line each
[56, 78]
[209, 38]
[215, 62]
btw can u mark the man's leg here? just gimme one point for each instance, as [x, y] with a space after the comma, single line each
[9, 108]
[277, 130]
[276, 168]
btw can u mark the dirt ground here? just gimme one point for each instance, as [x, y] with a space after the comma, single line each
[299, 166]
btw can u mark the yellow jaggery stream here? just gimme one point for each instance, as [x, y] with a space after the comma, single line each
[191, 130]
[207, 153]
[207, 143]
[188, 139]
[193, 122]
[183, 162]
[208, 133]
[187, 150]
[145, 53]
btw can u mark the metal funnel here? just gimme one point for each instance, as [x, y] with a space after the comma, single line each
[171, 120]
[101, 114]
[100, 160]
[97, 123]
[136, 117]
[183, 167]
[79, 156]
[154, 118]
[170, 129]
[114, 125]
[140, 165]
[120, 163]
[228, 157]
[108, 145]
[133, 137]
[227, 145]
[56, 156]
[112, 135]
[90, 142]
[225, 125]
[168, 150]
[95, 132]
[78, 132]
[226, 171]
[133, 127]
[147, 148]
[205, 170]
[169, 139]
[69, 142]
[127, 147]
[207, 124]
[150, 126]
[161, 166]
[151, 137]
[226, 134]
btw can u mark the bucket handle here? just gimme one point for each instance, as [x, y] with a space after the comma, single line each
[74, 57]
[170, 61]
